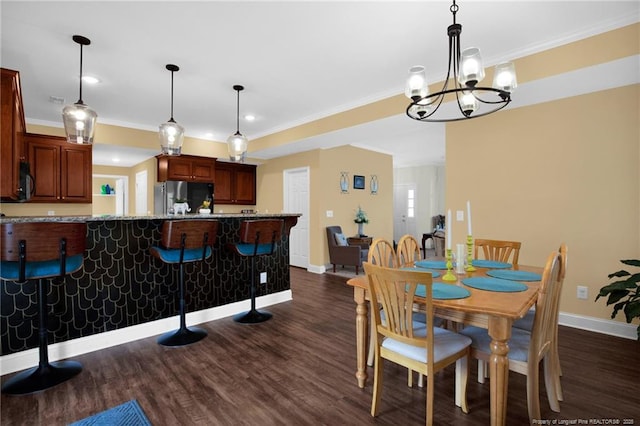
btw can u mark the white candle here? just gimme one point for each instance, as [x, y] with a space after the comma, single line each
[449, 226]
[469, 217]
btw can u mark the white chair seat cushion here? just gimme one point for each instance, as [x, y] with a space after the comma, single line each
[526, 322]
[518, 344]
[445, 344]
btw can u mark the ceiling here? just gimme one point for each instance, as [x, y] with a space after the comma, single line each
[299, 61]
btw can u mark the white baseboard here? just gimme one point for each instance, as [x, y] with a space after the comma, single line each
[317, 269]
[598, 325]
[29, 358]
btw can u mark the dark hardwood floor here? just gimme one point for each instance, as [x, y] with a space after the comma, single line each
[298, 369]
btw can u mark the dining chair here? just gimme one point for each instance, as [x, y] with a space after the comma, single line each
[526, 323]
[407, 253]
[528, 348]
[408, 250]
[498, 250]
[381, 253]
[426, 350]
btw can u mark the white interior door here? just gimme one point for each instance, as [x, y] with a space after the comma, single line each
[120, 197]
[296, 200]
[141, 193]
[404, 210]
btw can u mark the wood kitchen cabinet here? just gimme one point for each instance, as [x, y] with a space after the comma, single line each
[62, 171]
[188, 168]
[12, 129]
[235, 184]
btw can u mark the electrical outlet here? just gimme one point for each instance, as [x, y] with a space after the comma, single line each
[460, 215]
[51, 213]
[583, 292]
[263, 277]
[329, 213]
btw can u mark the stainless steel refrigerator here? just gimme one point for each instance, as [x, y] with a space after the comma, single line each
[165, 194]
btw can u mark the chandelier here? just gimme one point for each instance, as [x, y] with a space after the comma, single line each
[467, 69]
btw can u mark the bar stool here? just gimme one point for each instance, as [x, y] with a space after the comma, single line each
[185, 241]
[257, 238]
[41, 250]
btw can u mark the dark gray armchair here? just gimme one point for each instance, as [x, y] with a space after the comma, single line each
[344, 255]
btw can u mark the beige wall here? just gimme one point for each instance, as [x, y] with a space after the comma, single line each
[324, 183]
[561, 171]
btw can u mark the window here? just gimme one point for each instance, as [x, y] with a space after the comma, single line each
[411, 209]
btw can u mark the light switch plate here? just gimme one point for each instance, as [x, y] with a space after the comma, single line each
[263, 277]
[459, 215]
[329, 213]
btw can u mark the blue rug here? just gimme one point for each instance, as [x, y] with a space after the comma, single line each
[127, 414]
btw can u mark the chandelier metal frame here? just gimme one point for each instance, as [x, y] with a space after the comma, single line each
[423, 108]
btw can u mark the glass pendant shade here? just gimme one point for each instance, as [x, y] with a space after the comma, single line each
[171, 136]
[79, 123]
[504, 77]
[471, 69]
[468, 103]
[237, 146]
[416, 87]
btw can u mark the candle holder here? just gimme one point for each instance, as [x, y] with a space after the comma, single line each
[470, 267]
[449, 275]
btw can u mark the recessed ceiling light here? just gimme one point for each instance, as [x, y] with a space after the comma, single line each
[56, 100]
[115, 160]
[249, 117]
[208, 135]
[90, 79]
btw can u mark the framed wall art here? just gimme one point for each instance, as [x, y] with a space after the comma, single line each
[358, 182]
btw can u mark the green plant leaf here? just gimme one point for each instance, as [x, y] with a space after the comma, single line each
[632, 262]
[632, 310]
[621, 273]
[615, 296]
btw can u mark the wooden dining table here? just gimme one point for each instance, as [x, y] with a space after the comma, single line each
[495, 311]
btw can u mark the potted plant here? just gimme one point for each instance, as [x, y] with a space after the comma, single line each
[361, 218]
[624, 294]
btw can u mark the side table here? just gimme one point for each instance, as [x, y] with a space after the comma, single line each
[363, 242]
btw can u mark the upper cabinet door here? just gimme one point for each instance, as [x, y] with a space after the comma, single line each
[75, 184]
[235, 184]
[187, 168]
[12, 129]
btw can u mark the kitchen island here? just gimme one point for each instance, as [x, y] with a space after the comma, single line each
[121, 285]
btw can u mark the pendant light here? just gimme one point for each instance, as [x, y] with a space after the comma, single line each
[79, 120]
[237, 142]
[171, 133]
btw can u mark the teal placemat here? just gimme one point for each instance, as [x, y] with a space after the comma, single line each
[494, 284]
[434, 274]
[507, 274]
[431, 264]
[444, 291]
[484, 263]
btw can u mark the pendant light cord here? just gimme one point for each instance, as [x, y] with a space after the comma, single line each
[238, 113]
[80, 100]
[171, 97]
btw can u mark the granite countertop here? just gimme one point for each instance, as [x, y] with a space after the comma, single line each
[98, 218]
